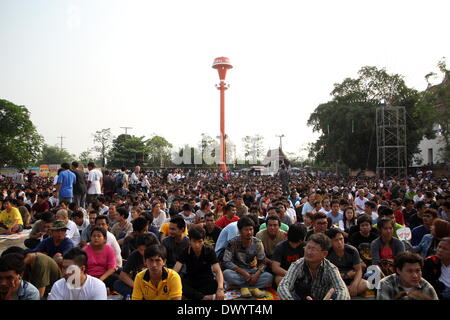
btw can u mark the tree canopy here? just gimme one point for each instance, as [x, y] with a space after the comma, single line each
[128, 151]
[54, 155]
[20, 143]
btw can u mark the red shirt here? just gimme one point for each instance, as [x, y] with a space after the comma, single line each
[44, 206]
[399, 217]
[223, 222]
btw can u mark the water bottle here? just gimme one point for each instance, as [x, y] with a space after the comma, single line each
[128, 297]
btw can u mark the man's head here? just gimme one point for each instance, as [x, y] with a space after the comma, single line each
[123, 213]
[58, 230]
[187, 209]
[91, 165]
[428, 217]
[12, 268]
[62, 214]
[92, 215]
[364, 223]
[408, 266]
[273, 224]
[443, 250]
[317, 248]
[335, 206]
[177, 227]
[229, 210]
[210, 220]
[140, 224]
[144, 241]
[155, 258]
[196, 238]
[320, 222]
[238, 200]
[369, 207]
[7, 204]
[75, 165]
[77, 257]
[78, 217]
[102, 222]
[337, 238]
[65, 166]
[440, 229]
[296, 233]
[245, 226]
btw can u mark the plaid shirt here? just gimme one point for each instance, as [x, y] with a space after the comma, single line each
[390, 287]
[237, 256]
[299, 276]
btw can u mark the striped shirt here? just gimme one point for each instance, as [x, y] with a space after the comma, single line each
[390, 287]
[299, 283]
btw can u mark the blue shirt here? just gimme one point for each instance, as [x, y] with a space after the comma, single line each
[227, 233]
[27, 291]
[335, 220]
[67, 179]
[417, 234]
[48, 247]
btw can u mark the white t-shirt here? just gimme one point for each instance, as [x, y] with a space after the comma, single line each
[112, 241]
[158, 222]
[291, 214]
[359, 202]
[73, 233]
[445, 275]
[189, 219]
[103, 210]
[84, 225]
[94, 177]
[92, 289]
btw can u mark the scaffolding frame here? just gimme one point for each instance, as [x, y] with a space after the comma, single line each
[391, 142]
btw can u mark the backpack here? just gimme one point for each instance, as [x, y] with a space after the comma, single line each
[119, 180]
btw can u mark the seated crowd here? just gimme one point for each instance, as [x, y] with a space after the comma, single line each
[197, 238]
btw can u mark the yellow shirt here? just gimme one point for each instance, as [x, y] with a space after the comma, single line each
[10, 218]
[165, 229]
[168, 288]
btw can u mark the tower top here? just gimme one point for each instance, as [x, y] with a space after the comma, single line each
[222, 64]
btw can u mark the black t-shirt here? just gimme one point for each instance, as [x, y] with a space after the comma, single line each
[357, 238]
[347, 261]
[407, 215]
[134, 264]
[415, 221]
[285, 254]
[211, 237]
[174, 249]
[198, 268]
[80, 185]
[108, 183]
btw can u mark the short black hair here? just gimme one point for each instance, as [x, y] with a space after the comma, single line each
[139, 224]
[363, 218]
[148, 216]
[187, 207]
[245, 221]
[155, 250]
[12, 262]
[77, 214]
[383, 222]
[145, 239]
[319, 215]
[47, 216]
[78, 255]
[333, 232]
[197, 233]
[103, 231]
[179, 221]
[14, 249]
[407, 257]
[228, 207]
[273, 217]
[123, 212]
[296, 233]
[102, 217]
[65, 165]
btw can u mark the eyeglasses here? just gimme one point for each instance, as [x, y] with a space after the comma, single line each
[313, 250]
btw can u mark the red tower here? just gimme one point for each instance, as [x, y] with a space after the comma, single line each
[222, 64]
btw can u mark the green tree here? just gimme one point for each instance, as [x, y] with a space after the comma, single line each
[434, 107]
[86, 156]
[347, 122]
[128, 151]
[20, 143]
[159, 151]
[54, 155]
[102, 139]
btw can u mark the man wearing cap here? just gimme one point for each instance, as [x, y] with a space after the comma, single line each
[57, 244]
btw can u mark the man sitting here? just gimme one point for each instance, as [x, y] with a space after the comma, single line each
[176, 242]
[437, 269]
[157, 282]
[244, 261]
[271, 236]
[407, 281]
[348, 261]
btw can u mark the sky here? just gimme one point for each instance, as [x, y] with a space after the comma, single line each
[82, 66]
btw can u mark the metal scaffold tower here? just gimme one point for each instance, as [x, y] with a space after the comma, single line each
[391, 142]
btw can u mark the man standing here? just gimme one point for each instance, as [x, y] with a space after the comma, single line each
[94, 182]
[284, 179]
[134, 179]
[65, 183]
[244, 261]
[407, 281]
[79, 188]
[313, 277]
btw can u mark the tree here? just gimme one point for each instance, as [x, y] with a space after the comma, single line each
[159, 151]
[103, 139]
[20, 143]
[54, 155]
[347, 122]
[86, 156]
[207, 147]
[434, 107]
[127, 151]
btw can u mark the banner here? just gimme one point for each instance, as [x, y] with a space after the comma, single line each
[43, 170]
[53, 168]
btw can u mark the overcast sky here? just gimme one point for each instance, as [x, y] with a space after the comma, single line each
[81, 66]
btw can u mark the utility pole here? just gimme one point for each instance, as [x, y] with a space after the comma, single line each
[61, 138]
[126, 129]
[281, 137]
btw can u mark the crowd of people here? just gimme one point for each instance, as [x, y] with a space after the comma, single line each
[136, 235]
